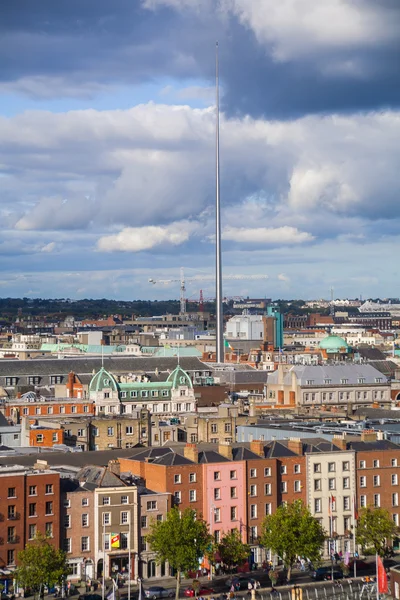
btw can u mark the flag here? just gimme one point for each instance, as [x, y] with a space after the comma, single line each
[355, 511]
[227, 345]
[115, 540]
[381, 576]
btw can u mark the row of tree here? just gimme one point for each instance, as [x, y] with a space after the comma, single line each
[183, 539]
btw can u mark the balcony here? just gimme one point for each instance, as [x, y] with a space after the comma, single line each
[14, 516]
[14, 539]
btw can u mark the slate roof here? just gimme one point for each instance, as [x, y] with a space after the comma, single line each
[370, 353]
[319, 373]
[79, 459]
[387, 367]
[243, 453]
[211, 456]
[277, 449]
[172, 458]
[96, 476]
[369, 446]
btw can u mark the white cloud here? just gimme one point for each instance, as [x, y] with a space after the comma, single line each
[283, 277]
[50, 247]
[137, 239]
[265, 235]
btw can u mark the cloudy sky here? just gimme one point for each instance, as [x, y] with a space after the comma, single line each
[107, 146]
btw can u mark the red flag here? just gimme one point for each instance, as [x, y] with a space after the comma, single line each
[355, 511]
[382, 577]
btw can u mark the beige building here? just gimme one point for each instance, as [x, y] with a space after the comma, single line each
[153, 507]
[331, 489]
[338, 385]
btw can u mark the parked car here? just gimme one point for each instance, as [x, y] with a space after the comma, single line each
[242, 581]
[325, 573]
[190, 592]
[361, 565]
[156, 591]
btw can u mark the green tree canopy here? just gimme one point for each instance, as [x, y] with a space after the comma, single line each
[181, 540]
[232, 550]
[291, 532]
[374, 527]
[40, 564]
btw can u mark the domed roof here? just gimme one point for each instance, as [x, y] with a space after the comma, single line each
[102, 379]
[334, 343]
[179, 377]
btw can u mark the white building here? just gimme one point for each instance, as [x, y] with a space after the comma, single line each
[246, 327]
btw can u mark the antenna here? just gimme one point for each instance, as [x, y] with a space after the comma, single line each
[219, 340]
[332, 308]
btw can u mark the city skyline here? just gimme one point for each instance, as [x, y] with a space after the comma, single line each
[107, 147]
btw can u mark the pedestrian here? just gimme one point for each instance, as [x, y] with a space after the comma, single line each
[302, 564]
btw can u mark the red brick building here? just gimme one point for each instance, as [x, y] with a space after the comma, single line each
[30, 504]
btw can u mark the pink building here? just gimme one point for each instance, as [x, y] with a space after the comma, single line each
[224, 503]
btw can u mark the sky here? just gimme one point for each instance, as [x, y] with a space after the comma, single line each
[107, 147]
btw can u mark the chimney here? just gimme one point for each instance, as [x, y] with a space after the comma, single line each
[369, 435]
[295, 445]
[70, 384]
[114, 466]
[340, 441]
[191, 452]
[225, 449]
[257, 446]
[41, 465]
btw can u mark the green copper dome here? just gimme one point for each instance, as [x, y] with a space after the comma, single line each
[179, 377]
[333, 344]
[102, 379]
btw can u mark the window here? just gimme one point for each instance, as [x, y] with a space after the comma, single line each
[11, 493]
[73, 409]
[177, 497]
[32, 532]
[124, 518]
[310, 382]
[396, 519]
[268, 509]
[253, 511]
[110, 431]
[346, 483]
[363, 501]
[124, 541]
[67, 546]
[363, 481]
[106, 518]
[217, 476]
[85, 520]
[361, 380]
[106, 541]
[376, 464]
[129, 430]
[253, 472]
[377, 480]
[85, 543]
[297, 486]
[160, 518]
[394, 462]
[67, 503]
[49, 410]
[362, 464]
[62, 410]
[317, 467]
[395, 499]
[49, 529]
[332, 483]
[11, 381]
[10, 557]
[317, 505]
[217, 536]
[233, 492]
[85, 501]
[317, 485]
[283, 470]
[346, 465]
[67, 521]
[152, 505]
[33, 490]
[33, 380]
[233, 513]
[344, 381]
[253, 490]
[32, 509]
[217, 493]
[228, 428]
[297, 469]
[377, 500]
[177, 479]
[192, 477]
[49, 488]
[143, 522]
[394, 479]
[133, 394]
[49, 508]
[192, 495]
[283, 487]
[124, 499]
[106, 500]
[346, 503]
[267, 472]
[214, 428]
[331, 467]
[217, 515]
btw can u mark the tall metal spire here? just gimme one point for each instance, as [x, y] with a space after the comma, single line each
[220, 350]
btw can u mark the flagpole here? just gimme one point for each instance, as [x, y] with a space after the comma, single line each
[104, 558]
[129, 557]
[331, 527]
[377, 577]
[354, 536]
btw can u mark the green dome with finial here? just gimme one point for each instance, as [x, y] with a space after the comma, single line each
[179, 377]
[334, 344]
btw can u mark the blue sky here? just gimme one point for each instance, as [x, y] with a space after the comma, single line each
[107, 146]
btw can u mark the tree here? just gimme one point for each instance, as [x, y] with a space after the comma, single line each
[232, 550]
[40, 565]
[374, 527]
[291, 532]
[181, 540]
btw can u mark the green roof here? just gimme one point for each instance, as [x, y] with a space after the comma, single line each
[164, 351]
[102, 379]
[179, 377]
[333, 344]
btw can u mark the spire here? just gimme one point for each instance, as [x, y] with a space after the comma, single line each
[219, 339]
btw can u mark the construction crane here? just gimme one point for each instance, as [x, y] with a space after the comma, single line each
[182, 281]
